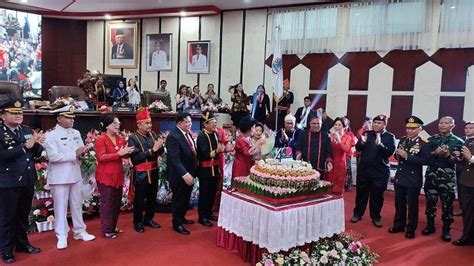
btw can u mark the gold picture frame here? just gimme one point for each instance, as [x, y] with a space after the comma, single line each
[122, 44]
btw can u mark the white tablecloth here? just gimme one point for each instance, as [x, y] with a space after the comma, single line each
[283, 227]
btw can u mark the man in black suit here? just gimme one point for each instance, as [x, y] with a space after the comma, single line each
[19, 145]
[412, 153]
[376, 147]
[121, 49]
[181, 166]
[302, 113]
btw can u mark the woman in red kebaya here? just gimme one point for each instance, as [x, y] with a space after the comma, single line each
[110, 148]
[341, 146]
[244, 150]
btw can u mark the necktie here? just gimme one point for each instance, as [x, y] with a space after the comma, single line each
[191, 144]
[17, 133]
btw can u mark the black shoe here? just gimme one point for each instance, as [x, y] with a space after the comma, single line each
[446, 236]
[213, 218]
[180, 229]
[429, 229]
[139, 228]
[394, 230]
[463, 242]
[28, 249]
[205, 222]
[188, 221]
[355, 219]
[377, 223]
[151, 223]
[410, 234]
[7, 257]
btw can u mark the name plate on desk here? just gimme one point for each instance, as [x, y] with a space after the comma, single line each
[123, 107]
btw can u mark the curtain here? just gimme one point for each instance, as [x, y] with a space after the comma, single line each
[367, 26]
[456, 29]
[307, 30]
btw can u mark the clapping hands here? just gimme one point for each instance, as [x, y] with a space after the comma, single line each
[37, 137]
[125, 150]
[158, 144]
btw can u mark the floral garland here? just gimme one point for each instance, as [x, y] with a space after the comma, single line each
[157, 106]
[340, 249]
[279, 192]
[63, 102]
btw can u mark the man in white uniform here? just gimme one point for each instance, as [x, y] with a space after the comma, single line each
[159, 60]
[64, 147]
[199, 60]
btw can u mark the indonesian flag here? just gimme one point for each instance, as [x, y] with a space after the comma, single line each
[277, 67]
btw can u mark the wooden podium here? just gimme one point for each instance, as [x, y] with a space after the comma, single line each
[85, 121]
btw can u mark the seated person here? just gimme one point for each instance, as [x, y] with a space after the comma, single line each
[164, 94]
[120, 94]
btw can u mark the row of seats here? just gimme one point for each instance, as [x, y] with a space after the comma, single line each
[12, 90]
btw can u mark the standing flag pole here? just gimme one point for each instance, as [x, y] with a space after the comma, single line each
[277, 71]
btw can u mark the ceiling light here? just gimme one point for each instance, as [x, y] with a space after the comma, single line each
[453, 7]
[183, 13]
[24, 1]
[108, 16]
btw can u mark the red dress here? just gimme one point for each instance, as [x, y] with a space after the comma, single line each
[243, 160]
[338, 174]
[109, 169]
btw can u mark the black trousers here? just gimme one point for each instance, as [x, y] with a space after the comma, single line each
[15, 206]
[180, 201]
[466, 198]
[374, 189]
[145, 201]
[406, 196]
[207, 195]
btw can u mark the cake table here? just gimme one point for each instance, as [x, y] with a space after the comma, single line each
[249, 226]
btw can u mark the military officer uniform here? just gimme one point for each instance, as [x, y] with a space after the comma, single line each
[466, 197]
[65, 179]
[144, 181]
[17, 179]
[208, 170]
[440, 181]
[409, 180]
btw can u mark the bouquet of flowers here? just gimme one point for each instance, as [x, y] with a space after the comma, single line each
[91, 205]
[43, 210]
[157, 107]
[127, 168]
[89, 161]
[64, 101]
[164, 195]
[223, 108]
[340, 249]
[41, 172]
[210, 107]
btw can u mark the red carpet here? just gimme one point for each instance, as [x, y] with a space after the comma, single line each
[165, 247]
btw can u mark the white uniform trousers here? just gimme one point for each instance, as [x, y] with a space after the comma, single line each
[62, 195]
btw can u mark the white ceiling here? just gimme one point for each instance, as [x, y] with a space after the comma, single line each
[92, 8]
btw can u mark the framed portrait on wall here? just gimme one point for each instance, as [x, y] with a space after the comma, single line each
[198, 57]
[158, 52]
[121, 44]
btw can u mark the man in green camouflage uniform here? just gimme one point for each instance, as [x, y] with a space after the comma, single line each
[441, 177]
